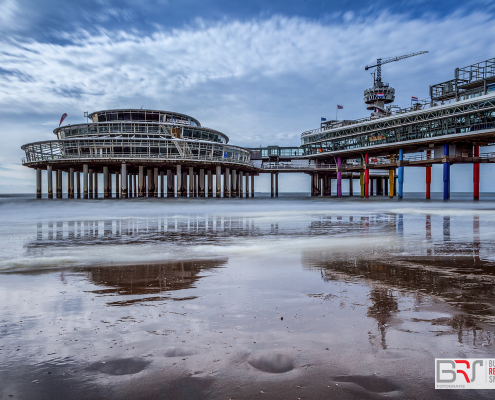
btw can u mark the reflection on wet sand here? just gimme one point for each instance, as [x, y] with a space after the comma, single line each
[396, 290]
[465, 282]
[155, 279]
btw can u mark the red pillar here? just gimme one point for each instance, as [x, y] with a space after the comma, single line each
[476, 175]
[366, 177]
[428, 181]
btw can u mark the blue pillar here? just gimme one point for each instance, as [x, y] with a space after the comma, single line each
[401, 173]
[446, 174]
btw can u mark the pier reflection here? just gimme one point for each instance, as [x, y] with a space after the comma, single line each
[157, 279]
[465, 282]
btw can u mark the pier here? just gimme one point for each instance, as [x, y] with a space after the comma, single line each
[162, 154]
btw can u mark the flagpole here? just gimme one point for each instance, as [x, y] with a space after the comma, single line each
[336, 113]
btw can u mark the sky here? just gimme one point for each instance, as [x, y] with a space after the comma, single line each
[262, 72]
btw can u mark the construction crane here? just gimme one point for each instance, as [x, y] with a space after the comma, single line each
[382, 93]
[381, 61]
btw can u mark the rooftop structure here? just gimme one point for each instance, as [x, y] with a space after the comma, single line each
[125, 142]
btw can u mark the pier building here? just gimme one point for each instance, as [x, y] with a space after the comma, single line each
[141, 153]
[137, 150]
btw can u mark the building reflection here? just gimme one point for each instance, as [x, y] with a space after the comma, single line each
[464, 279]
[156, 279]
[383, 305]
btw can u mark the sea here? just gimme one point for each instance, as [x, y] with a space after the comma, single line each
[292, 297]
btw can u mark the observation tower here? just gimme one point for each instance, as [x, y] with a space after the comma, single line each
[134, 151]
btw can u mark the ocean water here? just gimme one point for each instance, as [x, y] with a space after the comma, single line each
[293, 297]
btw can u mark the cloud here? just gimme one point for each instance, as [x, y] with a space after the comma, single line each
[8, 10]
[99, 68]
[261, 81]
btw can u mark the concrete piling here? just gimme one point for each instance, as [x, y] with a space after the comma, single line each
[85, 181]
[38, 183]
[49, 181]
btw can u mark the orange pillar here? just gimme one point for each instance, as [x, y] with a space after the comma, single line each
[366, 177]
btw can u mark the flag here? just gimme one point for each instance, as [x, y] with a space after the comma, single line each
[380, 95]
[414, 98]
[340, 107]
[225, 154]
[64, 116]
[323, 119]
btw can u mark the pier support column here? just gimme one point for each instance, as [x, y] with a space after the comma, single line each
[252, 185]
[117, 185]
[135, 185]
[218, 180]
[155, 182]
[201, 190]
[247, 184]
[110, 189]
[272, 184]
[361, 183]
[428, 181]
[446, 174]
[476, 175]
[191, 182]
[351, 188]
[71, 183]
[38, 183]
[325, 185]
[428, 175]
[49, 178]
[170, 183]
[58, 183]
[385, 186]
[276, 184]
[379, 187]
[90, 183]
[150, 182]
[123, 173]
[141, 185]
[339, 178]
[233, 180]
[162, 183]
[85, 181]
[313, 184]
[95, 183]
[371, 186]
[391, 180]
[106, 182]
[210, 183]
[178, 174]
[226, 183]
[78, 185]
[366, 177]
[241, 184]
[184, 183]
[401, 174]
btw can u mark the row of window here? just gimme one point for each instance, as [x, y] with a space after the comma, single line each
[474, 122]
[138, 148]
[378, 127]
[143, 115]
[139, 130]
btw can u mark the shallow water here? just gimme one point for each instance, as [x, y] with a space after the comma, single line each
[292, 297]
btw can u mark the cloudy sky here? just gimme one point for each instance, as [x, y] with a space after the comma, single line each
[260, 71]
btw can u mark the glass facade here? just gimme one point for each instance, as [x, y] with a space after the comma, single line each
[143, 116]
[457, 118]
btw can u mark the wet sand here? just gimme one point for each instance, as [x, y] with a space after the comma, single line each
[254, 298]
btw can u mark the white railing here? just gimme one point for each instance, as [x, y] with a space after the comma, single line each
[298, 166]
[162, 150]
